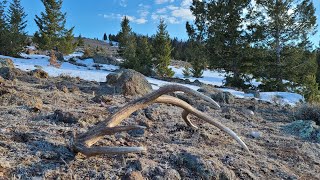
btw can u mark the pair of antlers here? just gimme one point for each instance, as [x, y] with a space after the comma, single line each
[83, 143]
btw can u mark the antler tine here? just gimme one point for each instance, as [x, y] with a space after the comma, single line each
[186, 119]
[187, 107]
[93, 151]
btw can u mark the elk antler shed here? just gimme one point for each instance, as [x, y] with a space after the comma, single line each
[83, 143]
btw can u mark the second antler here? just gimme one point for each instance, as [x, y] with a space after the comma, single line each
[83, 143]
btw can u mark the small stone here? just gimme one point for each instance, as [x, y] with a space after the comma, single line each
[136, 132]
[248, 112]
[65, 117]
[255, 134]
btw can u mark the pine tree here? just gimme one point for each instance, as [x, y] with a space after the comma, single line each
[162, 51]
[127, 45]
[285, 31]
[17, 25]
[318, 62]
[80, 41]
[196, 54]
[218, 26]
[144, 56]
[52, 32]
[105, 37]
[4, 40]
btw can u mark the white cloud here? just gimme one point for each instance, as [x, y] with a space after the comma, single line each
[184, 14]
[171, 7]
[163, 1]
[186, 3]
[161, 10]
[174, 14]
[166, 18]
[123, 3]
[141, 21]
[143, 10]
[132, 19]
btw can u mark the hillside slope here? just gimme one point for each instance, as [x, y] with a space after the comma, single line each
[39, 117]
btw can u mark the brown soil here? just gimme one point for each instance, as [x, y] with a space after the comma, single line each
[35, 139]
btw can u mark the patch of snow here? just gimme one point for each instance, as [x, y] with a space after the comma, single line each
[92, 74]
[31, 47]
[73, 55]
[209, 77]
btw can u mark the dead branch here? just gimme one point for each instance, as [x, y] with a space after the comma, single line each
[83, 143]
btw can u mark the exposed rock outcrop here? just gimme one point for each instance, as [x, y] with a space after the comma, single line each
[129, 82]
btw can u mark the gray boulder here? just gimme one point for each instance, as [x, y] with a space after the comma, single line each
[104, 59]
[129, 82]
[7, 69]
[223, 97]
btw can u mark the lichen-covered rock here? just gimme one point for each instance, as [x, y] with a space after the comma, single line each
[112, 78]
[129, 82]
[223, 97]
[305, 129]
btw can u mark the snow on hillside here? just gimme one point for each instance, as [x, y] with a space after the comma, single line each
[92, 74]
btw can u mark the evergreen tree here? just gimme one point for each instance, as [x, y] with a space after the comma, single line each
[218, 26]
[4, 40]
[285, 28]
[110, 37]
[127, 45]
[162, 51]
[17, 25]
[80, 41]
[144, 56]
[105, 37]
[52, 32]
[196, 54]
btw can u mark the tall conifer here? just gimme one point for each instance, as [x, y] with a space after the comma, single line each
[162, 51]
[52, 33]
[127, 45]
[16, 26]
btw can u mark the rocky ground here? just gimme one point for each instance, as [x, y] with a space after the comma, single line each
[39, 115]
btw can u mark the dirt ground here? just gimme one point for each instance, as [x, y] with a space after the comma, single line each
[38, 118]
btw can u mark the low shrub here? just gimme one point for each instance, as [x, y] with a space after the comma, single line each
[308, 112]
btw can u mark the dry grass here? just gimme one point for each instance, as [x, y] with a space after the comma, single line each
[36, 144]
[53, 60]
[308, 112]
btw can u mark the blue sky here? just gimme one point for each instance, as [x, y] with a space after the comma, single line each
[95, 17]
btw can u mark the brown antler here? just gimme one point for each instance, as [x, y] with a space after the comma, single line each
[84, 142]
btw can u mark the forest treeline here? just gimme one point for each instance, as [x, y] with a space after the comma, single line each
[264, 40]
